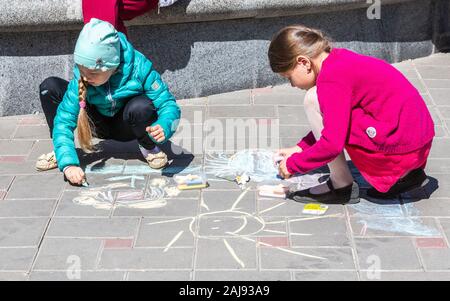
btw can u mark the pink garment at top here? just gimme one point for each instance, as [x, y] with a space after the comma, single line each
[116, 11]
[367, 103]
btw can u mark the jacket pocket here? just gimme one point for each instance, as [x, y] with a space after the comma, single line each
[366, 130]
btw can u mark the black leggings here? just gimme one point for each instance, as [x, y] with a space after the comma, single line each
[128, 124]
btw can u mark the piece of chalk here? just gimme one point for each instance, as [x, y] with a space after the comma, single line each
[189, 179]
[193, 182]
[186, 187]
[278, 191]
[272, 194]
[84, 183]
[315, 209]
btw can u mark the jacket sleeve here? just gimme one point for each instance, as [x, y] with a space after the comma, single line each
[64, 125]
[307, 141]
[335, 104]
[164, 102]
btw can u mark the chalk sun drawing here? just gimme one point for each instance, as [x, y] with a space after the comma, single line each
[244, 225]
[221, 225]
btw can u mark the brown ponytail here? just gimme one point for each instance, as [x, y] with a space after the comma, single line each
[293, 41]
[84, 123]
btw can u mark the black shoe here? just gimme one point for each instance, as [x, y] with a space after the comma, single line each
[345, 195]
[412, 180]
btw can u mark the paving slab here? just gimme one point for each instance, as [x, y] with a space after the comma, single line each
[132, 224]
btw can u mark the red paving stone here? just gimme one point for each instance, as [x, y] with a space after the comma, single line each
[30, 121]
[266, 90]
[130, 195]
[118, 243]
[431, 242]
[274, 241]
[13, 159]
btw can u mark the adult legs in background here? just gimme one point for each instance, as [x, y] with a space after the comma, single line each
[116, 11]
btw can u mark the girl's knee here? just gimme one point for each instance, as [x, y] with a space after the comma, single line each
[49, 84]
[311, 100]
[52, 89]
[139, 108]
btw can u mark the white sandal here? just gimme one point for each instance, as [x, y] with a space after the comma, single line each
[165, 3]
[157, 161]
[46, 162]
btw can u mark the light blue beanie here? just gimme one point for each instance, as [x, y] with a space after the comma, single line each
[98, 46]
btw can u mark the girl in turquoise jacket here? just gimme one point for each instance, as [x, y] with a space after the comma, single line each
[115, 94]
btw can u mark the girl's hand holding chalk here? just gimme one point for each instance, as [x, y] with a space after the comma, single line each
[156, 132]
[284, 154]
[75, 175]
[282, 170]
[277, 159]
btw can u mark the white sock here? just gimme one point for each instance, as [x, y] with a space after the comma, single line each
[145, 152]
[165, 3]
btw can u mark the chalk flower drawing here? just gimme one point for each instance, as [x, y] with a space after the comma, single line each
[102, 197]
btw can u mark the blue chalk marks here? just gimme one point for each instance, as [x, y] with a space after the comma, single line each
[390, 218]
[258, 164]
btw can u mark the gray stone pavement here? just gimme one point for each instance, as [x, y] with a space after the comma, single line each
[132, 224]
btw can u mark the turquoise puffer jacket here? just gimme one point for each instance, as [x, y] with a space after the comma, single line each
[135, 76]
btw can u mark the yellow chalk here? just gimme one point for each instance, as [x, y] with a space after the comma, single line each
[316, 209]
[186, 187]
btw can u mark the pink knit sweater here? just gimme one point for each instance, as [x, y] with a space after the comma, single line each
[364, 102]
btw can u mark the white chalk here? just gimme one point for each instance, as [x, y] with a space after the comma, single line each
[276, 191]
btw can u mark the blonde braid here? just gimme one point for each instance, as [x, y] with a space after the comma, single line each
[84, 123]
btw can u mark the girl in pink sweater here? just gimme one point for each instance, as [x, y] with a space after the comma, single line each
[357, 103]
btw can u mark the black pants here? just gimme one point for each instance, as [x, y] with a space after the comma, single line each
[128, 124]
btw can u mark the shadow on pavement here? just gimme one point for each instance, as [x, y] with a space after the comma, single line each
[179, 158]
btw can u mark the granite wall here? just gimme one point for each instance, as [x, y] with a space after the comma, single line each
[203, 58]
